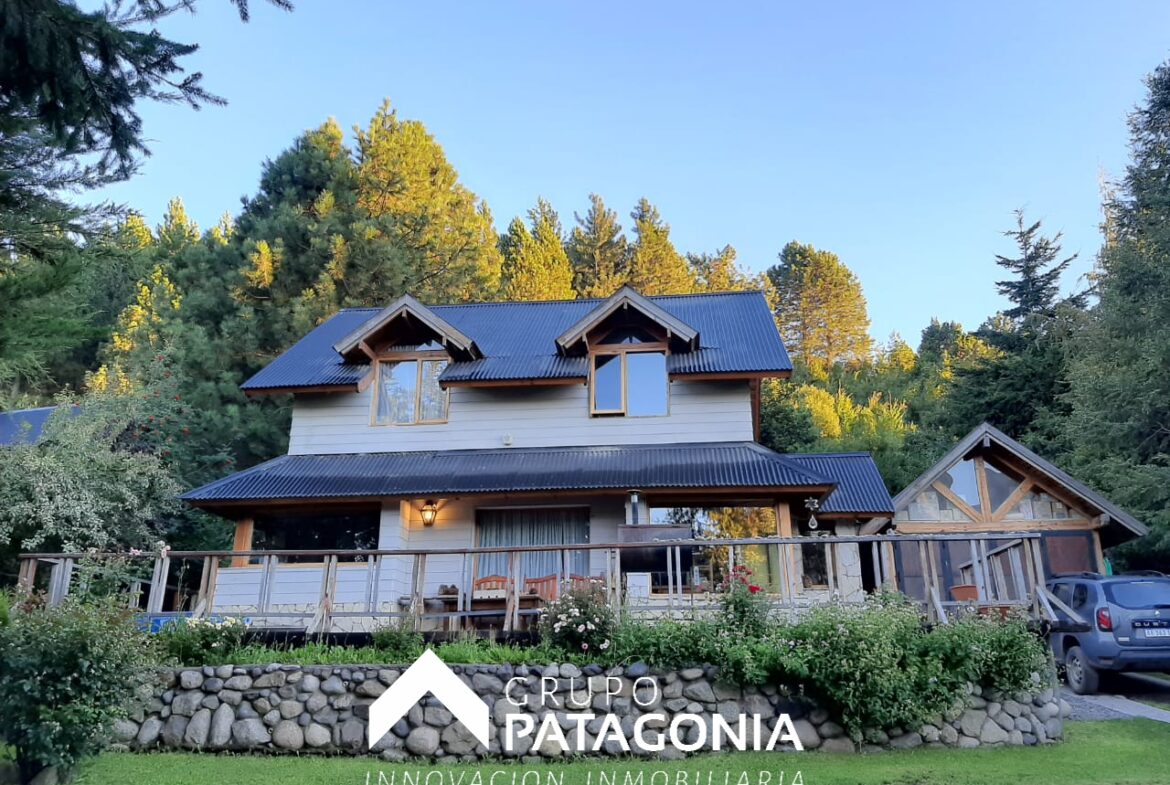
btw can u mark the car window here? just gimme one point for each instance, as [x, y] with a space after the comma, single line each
[1080, 596]
[1146, 593]
[1063, 592]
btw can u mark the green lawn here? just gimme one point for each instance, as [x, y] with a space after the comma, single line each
[1129, 752]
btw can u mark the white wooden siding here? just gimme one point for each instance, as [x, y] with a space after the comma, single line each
[481, 418]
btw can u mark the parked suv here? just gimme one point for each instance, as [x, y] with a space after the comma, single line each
[1123, 625]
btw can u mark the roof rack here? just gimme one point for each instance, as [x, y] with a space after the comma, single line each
[1084, 574]
[1144, 574]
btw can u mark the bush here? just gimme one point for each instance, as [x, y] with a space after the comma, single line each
[579, 622]
[192, 641]
[66, 672]
[744, 606]
[399, 643]
[667, 643]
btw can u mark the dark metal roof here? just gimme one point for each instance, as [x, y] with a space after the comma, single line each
[648, 467]
[860, 488]
[24, 426]
[518, 341]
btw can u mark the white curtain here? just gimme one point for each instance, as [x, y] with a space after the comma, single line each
[551, 526]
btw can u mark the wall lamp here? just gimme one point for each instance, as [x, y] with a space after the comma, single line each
[428, 512]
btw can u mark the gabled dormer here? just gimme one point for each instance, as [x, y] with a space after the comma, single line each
[408, 347]
[627, 339]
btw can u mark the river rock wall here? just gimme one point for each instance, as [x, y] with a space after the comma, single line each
[325, 709]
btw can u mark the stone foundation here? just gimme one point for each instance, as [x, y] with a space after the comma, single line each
[286, 709]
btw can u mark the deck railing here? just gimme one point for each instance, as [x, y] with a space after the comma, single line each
[324, 590]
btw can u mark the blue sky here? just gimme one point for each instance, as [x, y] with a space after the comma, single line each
[899, 135]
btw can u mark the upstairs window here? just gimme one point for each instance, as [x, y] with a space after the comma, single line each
[630, 383]
[407, 392]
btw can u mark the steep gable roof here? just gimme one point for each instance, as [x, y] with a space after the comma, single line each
[628, 297]
[518, 342]
[987, 435]
[405, 308]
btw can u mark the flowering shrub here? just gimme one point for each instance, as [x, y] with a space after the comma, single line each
[193, 641]
[745, 608]
[66, 672]
[580, 621]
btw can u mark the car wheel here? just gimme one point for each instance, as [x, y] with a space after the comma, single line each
[1083, 678]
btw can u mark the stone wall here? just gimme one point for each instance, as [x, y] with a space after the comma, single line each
[286, 709]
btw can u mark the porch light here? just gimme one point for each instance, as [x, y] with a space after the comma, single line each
[428, 512]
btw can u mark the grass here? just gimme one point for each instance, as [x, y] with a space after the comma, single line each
[1129, 752]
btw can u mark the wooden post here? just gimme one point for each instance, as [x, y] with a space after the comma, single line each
[243, 541]
[212, 581]
[787, 552]
[669, 580]
[1098, 553]
[510, 593]
[830, 572]
[158, 585]
[266, 579]
[890, 565]
[420, 578]
[28, 575]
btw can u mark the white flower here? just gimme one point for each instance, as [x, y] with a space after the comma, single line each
[580, 628]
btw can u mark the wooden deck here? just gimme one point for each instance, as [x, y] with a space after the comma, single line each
[442, 589]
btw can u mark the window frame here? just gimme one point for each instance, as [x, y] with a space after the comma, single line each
[418, 358]
[622, 351]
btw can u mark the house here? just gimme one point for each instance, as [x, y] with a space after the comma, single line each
[460, 465]
[991, 484]
[447, 437]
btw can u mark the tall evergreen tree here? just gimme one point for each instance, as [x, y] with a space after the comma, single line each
[597, 250]
[1120, 364]
[822, 313]
[80, 73]
[536, 266]
[654, 265]
[1035, 288]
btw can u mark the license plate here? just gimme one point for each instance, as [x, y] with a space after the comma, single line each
[1161, 632]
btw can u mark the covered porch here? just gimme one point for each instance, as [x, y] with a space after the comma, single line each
[440, 590]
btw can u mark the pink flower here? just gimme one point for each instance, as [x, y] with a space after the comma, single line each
[135, 552]
[584, 647]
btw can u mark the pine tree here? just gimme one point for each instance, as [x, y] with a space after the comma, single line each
[1035, 290]
[536, 266]
[654, 266]
[822, 313]
[598, 251]
[80, 73]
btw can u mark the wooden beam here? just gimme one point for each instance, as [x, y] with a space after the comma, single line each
[981, 483]
[1011, 501]
[1007, 527]
[311, 388]
[1098, 553]
[243, 541]
[954, 499]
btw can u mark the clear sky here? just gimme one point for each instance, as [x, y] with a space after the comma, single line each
[899, 135]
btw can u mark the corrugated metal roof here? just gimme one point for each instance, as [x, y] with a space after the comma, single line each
[737, 334]
[24, 426]
[860, 488]
[649, 467]
[709, 465]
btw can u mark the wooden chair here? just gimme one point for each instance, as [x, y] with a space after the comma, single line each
[491, 583]
[547, 588]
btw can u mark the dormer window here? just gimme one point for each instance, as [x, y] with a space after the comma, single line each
[628, 375]
[407, 390]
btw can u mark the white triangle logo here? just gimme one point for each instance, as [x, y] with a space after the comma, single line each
[429, 674]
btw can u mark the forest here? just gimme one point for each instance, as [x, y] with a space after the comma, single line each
[150, 329]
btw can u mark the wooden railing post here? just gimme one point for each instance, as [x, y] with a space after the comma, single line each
[28, 575]
[158, 584]
[512, 592]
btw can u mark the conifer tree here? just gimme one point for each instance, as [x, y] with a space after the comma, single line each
[1035, 289]
[598, 251]
[654, 266]
[536, 266]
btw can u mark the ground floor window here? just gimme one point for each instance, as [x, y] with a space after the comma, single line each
[354, 531]
[502, 528]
